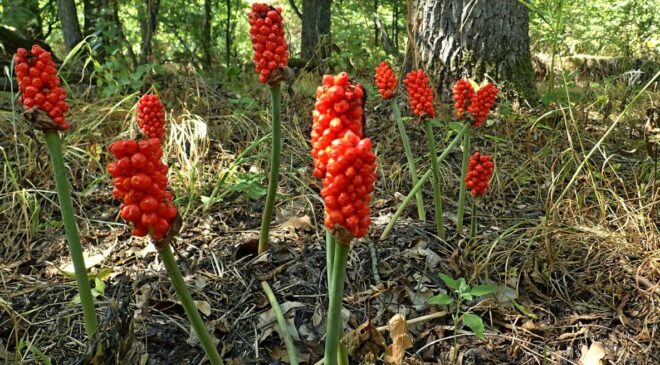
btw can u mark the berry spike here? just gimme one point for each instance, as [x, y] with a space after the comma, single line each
[267, 35]
[463, 94]
[151, 116]
[419, 93]
[481, 103]
[140, 182]
[39, 84]
[339, 109]
[347, 186]
[385, 80]
[479, 170]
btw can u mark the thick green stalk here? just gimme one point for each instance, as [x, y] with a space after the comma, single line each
[473, 220]
[330, 243]
[336, 293]
[189, 305]
[73, 239]
[461, 193]
[281, 321]
[437, 189]
[276, 149]
[420, 183]
[409, 156]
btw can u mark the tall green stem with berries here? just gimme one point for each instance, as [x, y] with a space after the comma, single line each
[437, 189]
[73, 238]
[421, 213]
[336, 293]
[276, 150]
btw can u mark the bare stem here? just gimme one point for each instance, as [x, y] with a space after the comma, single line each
[281, 321]
[461, 193]
[421, 213]
[73, 238]
[189, 305]
[276, 150]
[437, 189]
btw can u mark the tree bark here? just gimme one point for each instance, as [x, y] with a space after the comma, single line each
[316, 21]
[455, 38]
[69, 20]
[148, 24]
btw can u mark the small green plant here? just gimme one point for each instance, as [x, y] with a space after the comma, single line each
[463, 292]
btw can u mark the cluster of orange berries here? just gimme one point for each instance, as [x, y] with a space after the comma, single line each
[476, 103]
[267, 36]
[348, 183]
[140, 180]
[151, 116]
[338, 109]
[419, 93]
[342, 158]
[479, 170]
[39, 84]
[385, 80]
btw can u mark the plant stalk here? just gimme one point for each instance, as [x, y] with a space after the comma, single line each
[461, 193]
[281, 321]
[421, 213]
[420, 183]
[276, 149]
[437, 189]
[73, 239]
[336, 293]
[189, 305]
[473, 220]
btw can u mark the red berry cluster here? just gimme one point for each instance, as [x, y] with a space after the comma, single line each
[140, 180]
[151, 116]
[385, 80]
[476, 103]
[481, 103]
[348, 183]
[267, 36]
[463, 93]
[480, 168]
[419, 93]
[338, 110]
[39, 84]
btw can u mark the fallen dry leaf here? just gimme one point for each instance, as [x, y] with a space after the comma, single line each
[401, 341]
[364, 340]
[268, 323]
[594, 355]
[204, 307]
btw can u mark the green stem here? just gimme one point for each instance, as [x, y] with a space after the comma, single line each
[276, 149]
[281, 321]
[461, 193]
[420, 183]
[189, 305]
[73, 239]
[330, 243]
[437, 189]
[336, 293]
[421, 213]
[473, 220]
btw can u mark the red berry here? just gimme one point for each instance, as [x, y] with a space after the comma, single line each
[385, 80]
[267, 36]
[479, 170]
[420, 93]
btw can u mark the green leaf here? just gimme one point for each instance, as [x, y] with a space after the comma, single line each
[440, 299]
[475, 323]
[462, 286]
[99, 285]
[449, 281]
[481, 290]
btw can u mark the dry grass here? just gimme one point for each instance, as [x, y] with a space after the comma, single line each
[593, 253]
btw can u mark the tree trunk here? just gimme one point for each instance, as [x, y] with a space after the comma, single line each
[229, 31]
[148, 24]
[315, 43]
[455, 38]
[69, 20]
[206, 33]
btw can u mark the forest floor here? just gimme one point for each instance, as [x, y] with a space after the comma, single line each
[571, 273]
